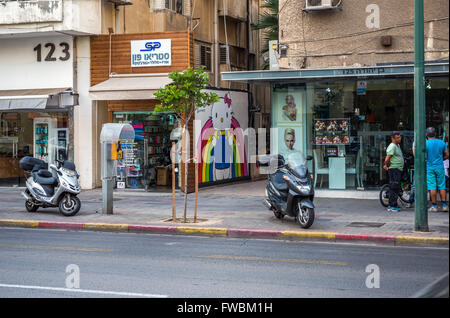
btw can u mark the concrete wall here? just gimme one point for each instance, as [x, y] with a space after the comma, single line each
[71, 16]
[352, 36]
[20, 68]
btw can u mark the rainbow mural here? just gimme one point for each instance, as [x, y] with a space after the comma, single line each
[221, 134]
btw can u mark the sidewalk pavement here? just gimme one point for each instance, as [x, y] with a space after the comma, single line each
[233, 210]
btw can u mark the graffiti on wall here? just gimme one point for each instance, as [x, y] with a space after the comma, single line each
[221, 145]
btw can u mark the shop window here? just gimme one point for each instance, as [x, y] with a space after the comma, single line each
[41, 135]
[146, 160]
[177, 6]
[372, 110]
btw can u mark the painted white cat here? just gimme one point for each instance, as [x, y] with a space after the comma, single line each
[221, 116]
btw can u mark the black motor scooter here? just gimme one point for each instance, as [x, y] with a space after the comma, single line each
[289, 189]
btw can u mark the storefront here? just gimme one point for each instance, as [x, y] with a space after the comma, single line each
[344, 117]
[139, 66]
[146, 161]
[36, 111]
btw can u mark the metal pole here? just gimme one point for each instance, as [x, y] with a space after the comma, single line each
[420, 209]
[174, 215]
[107, 181]
[216, 43]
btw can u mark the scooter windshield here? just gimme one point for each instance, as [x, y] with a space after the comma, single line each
[296, 161]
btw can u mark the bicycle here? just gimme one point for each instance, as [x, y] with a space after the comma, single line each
[405, 188]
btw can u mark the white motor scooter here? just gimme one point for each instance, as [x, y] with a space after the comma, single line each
[44, 190]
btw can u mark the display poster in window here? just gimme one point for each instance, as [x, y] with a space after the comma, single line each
[288, 107]
[289, 140]
[331, 131]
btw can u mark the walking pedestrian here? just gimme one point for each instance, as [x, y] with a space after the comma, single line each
[410, 203]
[393, 164]
[437, 152]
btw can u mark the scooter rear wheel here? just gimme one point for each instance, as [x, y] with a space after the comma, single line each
[30, 206]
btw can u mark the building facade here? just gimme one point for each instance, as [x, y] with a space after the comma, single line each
[54, 65]
[44, 76]
[345, 82]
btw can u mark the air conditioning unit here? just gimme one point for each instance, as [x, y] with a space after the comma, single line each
[316, 5]
[121, 2]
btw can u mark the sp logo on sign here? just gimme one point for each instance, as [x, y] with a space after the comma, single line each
[151, 46]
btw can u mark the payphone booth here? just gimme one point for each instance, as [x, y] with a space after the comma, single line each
[111, 139]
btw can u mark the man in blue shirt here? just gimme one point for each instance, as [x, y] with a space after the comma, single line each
[437, 152]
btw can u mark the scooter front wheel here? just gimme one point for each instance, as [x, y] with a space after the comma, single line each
[69, 205]
[305, 216]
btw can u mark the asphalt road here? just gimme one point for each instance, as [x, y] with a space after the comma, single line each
[33, 263]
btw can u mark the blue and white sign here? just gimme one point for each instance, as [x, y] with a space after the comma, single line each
[361, 87]
[151, 53]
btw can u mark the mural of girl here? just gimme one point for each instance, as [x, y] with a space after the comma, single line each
[221, 145]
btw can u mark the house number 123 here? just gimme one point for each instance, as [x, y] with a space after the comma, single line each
[51, 50]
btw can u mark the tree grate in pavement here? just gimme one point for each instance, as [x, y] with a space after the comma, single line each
[365, 224]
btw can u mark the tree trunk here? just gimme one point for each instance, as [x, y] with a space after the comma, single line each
[174, 215]
[186, 159]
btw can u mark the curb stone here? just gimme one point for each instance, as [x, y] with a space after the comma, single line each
[399, 240]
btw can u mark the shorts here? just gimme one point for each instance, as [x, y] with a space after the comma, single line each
[436, 179]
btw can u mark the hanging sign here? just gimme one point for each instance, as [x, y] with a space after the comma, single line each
[361, 87]
[151, 53]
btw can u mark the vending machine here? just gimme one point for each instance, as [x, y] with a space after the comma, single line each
[44, 139]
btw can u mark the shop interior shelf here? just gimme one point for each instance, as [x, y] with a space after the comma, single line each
[337, 132]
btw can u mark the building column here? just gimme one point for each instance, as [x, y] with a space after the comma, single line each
[84, 119]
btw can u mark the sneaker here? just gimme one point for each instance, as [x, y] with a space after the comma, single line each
[444, 208]
[393, 209]
[409, 205]
[433, 208]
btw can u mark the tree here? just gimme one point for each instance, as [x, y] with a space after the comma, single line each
[268, 22]
[182, 97]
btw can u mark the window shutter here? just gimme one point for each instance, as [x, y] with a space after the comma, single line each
[197, 59]
[224, 53]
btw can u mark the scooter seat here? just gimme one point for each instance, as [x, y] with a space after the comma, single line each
[278, 181]
[44, 180]
[44, 173]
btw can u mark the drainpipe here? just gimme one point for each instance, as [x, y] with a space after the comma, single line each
[216, 43]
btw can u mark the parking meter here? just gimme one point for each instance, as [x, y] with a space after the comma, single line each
[111, 139]
[175, 137]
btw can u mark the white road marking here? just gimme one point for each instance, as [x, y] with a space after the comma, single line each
[87, 291]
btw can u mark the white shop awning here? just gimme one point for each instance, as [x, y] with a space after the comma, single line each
[129, 87]
[35, 99]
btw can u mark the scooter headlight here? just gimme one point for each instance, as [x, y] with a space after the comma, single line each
[68, 172]
[305, 189]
